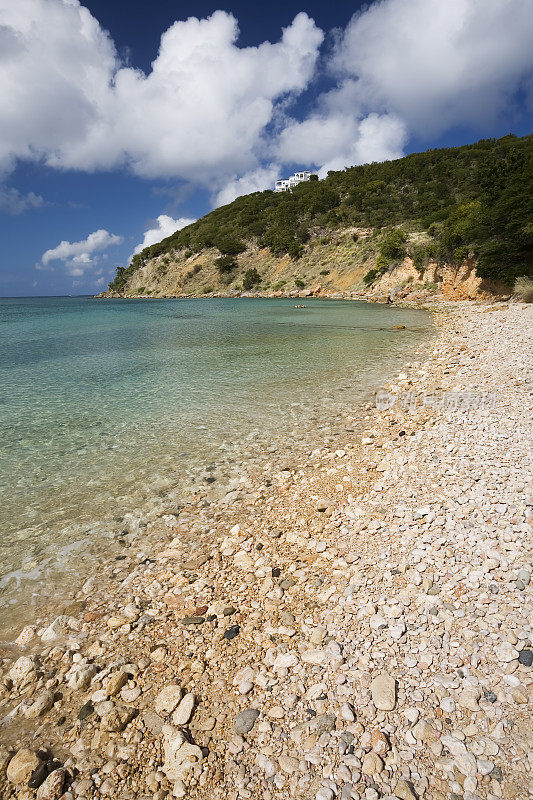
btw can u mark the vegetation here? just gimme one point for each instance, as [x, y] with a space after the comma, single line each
[225, 264]
[475, 200]
[251, 279]
[524, 289]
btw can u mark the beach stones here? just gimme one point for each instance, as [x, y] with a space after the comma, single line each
[183, 712]
[167, 699]
[383, 690]
[52, 786]
[245, 721]
[23, 672]
[22, 766]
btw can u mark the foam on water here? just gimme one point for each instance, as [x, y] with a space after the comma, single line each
[107, 407]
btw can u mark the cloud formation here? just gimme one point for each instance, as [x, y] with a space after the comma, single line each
[165, 227]
[78, 257]
[218, 115]
[437, 65]
[199, 114]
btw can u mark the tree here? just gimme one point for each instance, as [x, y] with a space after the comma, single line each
[251, 279]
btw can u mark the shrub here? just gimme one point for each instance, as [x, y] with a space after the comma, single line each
[325, 272]
[523, 287]
[230, 245]
[225, 263]
[299, 283]
[392, 246]
[251, 279]
[141, 290]
[207, 289]
[295, 250]
[355, 237]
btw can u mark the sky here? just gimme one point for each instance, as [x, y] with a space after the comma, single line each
[122, 121]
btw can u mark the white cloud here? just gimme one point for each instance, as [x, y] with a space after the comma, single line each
[198, 114]
[254, 181]
[14, 202]
[165, 227]
[77, 257]
[438, 64]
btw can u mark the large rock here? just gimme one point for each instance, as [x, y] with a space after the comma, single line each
[383, 689]
[59, 629]
[52, 788]
[23, 672]
[179, 754]
[42, 703]
[22, 766]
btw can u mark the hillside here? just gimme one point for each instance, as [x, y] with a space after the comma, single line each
[464, 211]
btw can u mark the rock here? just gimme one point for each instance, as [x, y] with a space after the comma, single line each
[153, 722]
[42, 703]
[424, 732]
[59, 629]
[179, 754]
[167, 699]
[115, 683]
[52, 787]
[404, 791]
[183, 712]
[322, 504]
[525, 657]
[22, 766]
[380, 743]
[315, 657]
[468, 698]
[245, 721]
[288, 764]
[82, 677]
[232, 632]
[193, 620]
[372, 764]
[117, 719]
[383, 689]
[22, 672]
[505, 652]
[25, 636]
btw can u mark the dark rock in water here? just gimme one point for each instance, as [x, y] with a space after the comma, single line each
[86, 710]
[232, 632]
[245, 720]
[193, 620]
[525, 657]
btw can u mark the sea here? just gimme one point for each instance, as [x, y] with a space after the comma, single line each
[110, 408]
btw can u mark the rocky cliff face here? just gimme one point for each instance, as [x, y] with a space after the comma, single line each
[334, 264]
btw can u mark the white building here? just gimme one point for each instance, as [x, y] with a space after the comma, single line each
[286, 184]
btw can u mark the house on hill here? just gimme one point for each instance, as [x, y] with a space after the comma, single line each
[286, 184]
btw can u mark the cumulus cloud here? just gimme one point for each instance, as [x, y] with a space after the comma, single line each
[198, 114]
[78, 257]
[437, 65]
[165, 226]
[218, 115]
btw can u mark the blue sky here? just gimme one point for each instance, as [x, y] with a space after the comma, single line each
[112, 136]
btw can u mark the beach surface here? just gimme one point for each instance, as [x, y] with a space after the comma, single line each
[352, 623]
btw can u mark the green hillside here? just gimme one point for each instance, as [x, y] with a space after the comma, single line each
[476, 199]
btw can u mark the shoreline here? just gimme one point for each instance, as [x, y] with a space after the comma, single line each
[289, 661]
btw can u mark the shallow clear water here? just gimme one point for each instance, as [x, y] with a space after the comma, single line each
[106, 404]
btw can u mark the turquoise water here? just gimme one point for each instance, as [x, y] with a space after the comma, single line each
[105, 405]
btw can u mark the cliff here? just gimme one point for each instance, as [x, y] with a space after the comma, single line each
[457, 219]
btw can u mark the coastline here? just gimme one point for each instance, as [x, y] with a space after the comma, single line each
[400, 553]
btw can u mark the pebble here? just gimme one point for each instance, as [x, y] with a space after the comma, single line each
[245, 721]
[383, 689]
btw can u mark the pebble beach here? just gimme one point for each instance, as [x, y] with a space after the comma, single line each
[349, 623]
